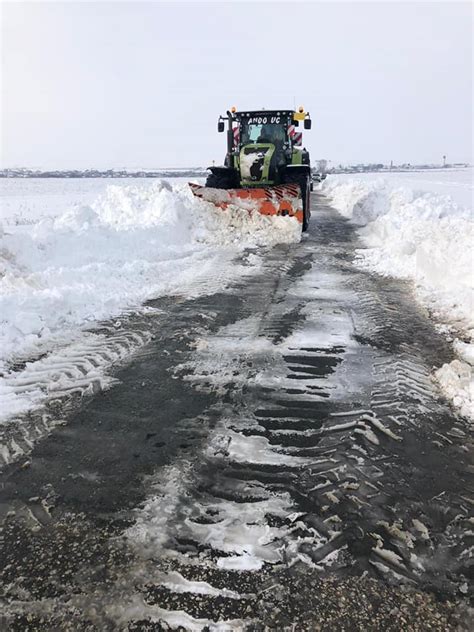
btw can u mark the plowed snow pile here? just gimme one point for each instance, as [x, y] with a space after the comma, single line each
[428, 238]
[130, 245]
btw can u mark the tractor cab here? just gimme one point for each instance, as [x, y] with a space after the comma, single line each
[261, 144]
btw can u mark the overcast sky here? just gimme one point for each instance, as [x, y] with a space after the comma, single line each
[132, 84]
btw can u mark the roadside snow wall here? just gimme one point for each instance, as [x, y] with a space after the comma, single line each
[429, 239]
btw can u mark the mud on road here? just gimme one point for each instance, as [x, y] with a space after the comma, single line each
[275, 457]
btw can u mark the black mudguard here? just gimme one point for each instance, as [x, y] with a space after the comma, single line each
[303, 170]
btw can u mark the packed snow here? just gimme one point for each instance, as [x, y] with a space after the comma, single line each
[428, 237]
[61, 273]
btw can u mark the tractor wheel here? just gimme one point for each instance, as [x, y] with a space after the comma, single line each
[303, 181]
[214, 181]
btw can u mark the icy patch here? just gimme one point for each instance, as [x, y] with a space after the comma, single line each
[244, 536]
[238, 534]
[244, 562]
[218, 363]
[151, 530]
[177, 583]
[131, 608]
[253, 449]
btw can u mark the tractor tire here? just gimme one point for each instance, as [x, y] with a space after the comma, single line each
[214, 181]
[304, 183]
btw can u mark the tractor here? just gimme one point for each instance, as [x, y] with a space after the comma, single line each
[265, 168]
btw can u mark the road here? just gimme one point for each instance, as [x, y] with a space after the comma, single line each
[277, 456]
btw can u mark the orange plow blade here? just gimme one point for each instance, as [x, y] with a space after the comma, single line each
[284, 199]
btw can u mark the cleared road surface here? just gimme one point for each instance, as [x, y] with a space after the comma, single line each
[277, 455]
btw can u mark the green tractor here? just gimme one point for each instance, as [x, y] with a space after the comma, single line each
[265, 168]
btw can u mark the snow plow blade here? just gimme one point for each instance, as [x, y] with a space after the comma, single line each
[284, 199]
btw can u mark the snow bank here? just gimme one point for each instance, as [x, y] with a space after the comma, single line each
[425, 237]
[129, 245]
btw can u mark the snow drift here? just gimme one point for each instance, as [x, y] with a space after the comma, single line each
[128, 246]
[429, 239]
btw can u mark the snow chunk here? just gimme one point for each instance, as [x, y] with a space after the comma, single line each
[457, 382]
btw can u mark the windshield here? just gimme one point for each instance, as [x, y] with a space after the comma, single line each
[263, 133]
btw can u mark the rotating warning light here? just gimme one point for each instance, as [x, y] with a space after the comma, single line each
[301, 109]
[233, 109]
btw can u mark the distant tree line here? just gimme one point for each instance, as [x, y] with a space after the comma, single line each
[376, 167]
[321, 166]
[193, 172]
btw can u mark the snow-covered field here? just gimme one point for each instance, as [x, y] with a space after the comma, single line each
[27, 200]
[73, 253]
[420, 226]
[457, 183]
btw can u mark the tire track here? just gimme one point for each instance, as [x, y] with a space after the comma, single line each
[56, 382]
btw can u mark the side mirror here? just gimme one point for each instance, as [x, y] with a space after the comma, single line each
[220, 126]
[307, 123]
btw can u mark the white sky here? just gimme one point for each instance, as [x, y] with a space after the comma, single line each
[132, 84]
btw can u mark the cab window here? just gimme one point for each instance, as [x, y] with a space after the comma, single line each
[260, 133]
